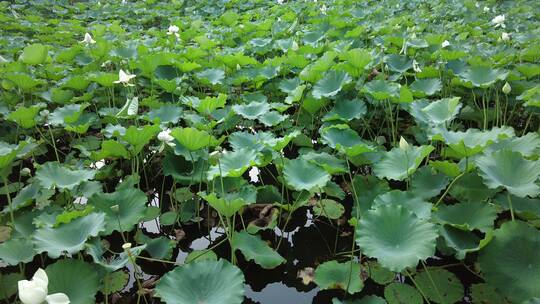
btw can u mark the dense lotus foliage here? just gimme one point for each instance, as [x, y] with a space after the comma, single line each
[407, 129]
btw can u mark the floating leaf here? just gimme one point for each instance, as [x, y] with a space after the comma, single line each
[335, 275]
[397, 293]
[256, 250]
[440, 285]
[209, 282]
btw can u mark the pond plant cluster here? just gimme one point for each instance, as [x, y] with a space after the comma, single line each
[407, 129]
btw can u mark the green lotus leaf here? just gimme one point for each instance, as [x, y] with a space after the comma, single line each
[224, 206]
[209, 104]
[346, 110]
[471, 188]
[438, 112]
[381, 89]
[256, 250]
[472, 141]
[193, 139]
[139, 137]
[398, 293]
[300, 174]
[111, 149]
[330, 84]
[23, 81]
[200, 255]
[367, 188]
[527, 207]
[272, 118]
[130, 211]
[356, 60]
[509, 264]
[114, 282]
[233, 164]
[483, 76]
[335, 275]
[252, 110]
[316, 70]
[166, 114]
[461, 242]
[346, 140]
[209, 282]
[75, 278]
[9, 152]
[417, 205]
[96, 250]
[510, 170]
[330, 163]
[440, 285]
[158, 247]
[427, 184]
[468, 215]
[399, 164]
[426, 87]
[183, 170]
[398, 63]
[212, 76]
[25, 116]
[395, 237]
[15, 251]
[364, 300]
[328, 208]
[66, 115]
[528, 144]
[54, 175]
[68, 238]
[34, 54]
[484, 293]
[378, 273]
[8, 284]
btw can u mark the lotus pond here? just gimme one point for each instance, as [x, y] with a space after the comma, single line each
[254, 151]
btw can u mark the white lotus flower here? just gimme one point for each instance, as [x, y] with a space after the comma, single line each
[445, 44]
[499, 21]
[324, 9]
[403, 144]
[124, 78]
[173, 30]
[280, 1]
[35, 291]
[165, 137]
[486, 9]
[254, 175]
[505, 36]
[88, 39]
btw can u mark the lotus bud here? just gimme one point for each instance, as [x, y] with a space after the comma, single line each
[506, 88]
[126, 246]
[380, 140]
[445, 44]
[505, 36]
[115, 208]
[25, 171]
[44, 113]
[403, 144]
